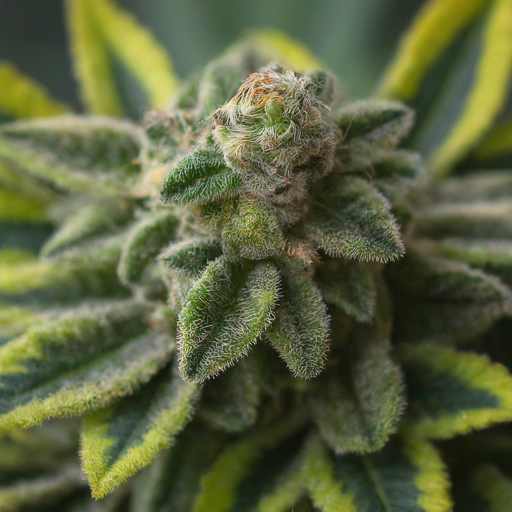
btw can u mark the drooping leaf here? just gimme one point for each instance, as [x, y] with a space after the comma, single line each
[349, 285]
[357, 406]
[226, 311]
[22, 97]
[452, 392]
[137, 49]
[252, 230]
[300, 332]
[436, 25]
[125, 437]
[199, 178]
[488, 93]
[146, 240]
[189, 257]
[95, 154]
[354, 221]
[258, 473]
[230, 402]
[405, 476]
[91, 61]
[84, 359]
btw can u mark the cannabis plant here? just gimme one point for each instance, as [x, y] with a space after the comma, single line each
[261, 294]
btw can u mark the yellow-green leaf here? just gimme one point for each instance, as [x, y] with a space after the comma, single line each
[489, 91]
[91, 61]
[497, 142]
[20, 207]
[137, 49]
[22, 97]
[436, 25]
[495, 487]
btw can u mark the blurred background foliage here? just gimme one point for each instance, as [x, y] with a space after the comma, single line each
[354, 38]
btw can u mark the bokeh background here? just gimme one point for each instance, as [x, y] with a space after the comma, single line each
[354, 38]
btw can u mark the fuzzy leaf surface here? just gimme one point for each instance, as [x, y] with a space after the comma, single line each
[125, 437]
[83, 359]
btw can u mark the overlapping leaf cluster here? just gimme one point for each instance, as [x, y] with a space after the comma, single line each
[257, 276]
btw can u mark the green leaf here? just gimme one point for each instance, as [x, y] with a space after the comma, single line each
[173, 479]
[45, 489]
[86, 154]
[376, 122]
[258, 473]
[82, 360]
[125, 437]
[451, 392]
[230, 402]
[354, 221]
[358, 406]
[443, 300]
[497, 142]
[189, 257]
[488, 94]
[147, 238]
[300, 332]
[349, 285]
[494, 487]
[228, 308]
[436, 25]
[14, 320]
[252, 229]
[91, 61]
[405, 476]
[17, 207]
[137, 49]
[200, 178]
[22, 97]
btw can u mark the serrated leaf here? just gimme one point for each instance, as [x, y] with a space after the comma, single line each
[86, 154]
[137, 49]
[147, 238]
[349, 285]
[436, 25]
[45, 489]
[444, 300]
[226, 311]
[91, 61]
[200, 178]
[491, 484]
[252, 229]
[22, 97]
[300, 332]
[354, 221]
[125, 437]
[230, 402]
[82, 360]
[357, 406]
[488, 94]
[451, 392]
[248, 474]
[173, 479]
[189, 257]
[377, 122]
[405, 476]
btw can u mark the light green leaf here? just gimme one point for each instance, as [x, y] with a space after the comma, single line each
[85, 154]
[82, 360]
[91, 61]
[452, 392]
[436, 25]
[45, 489]
[120, 440]
[354, 221]
[22, 97]
[226, 311]
[300, 332]
[357, 408]
[489, 92]
[147, 238]
[494, 487]
[407, 475]
[137, 49]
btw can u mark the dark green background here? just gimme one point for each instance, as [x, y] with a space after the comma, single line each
[354, 38]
